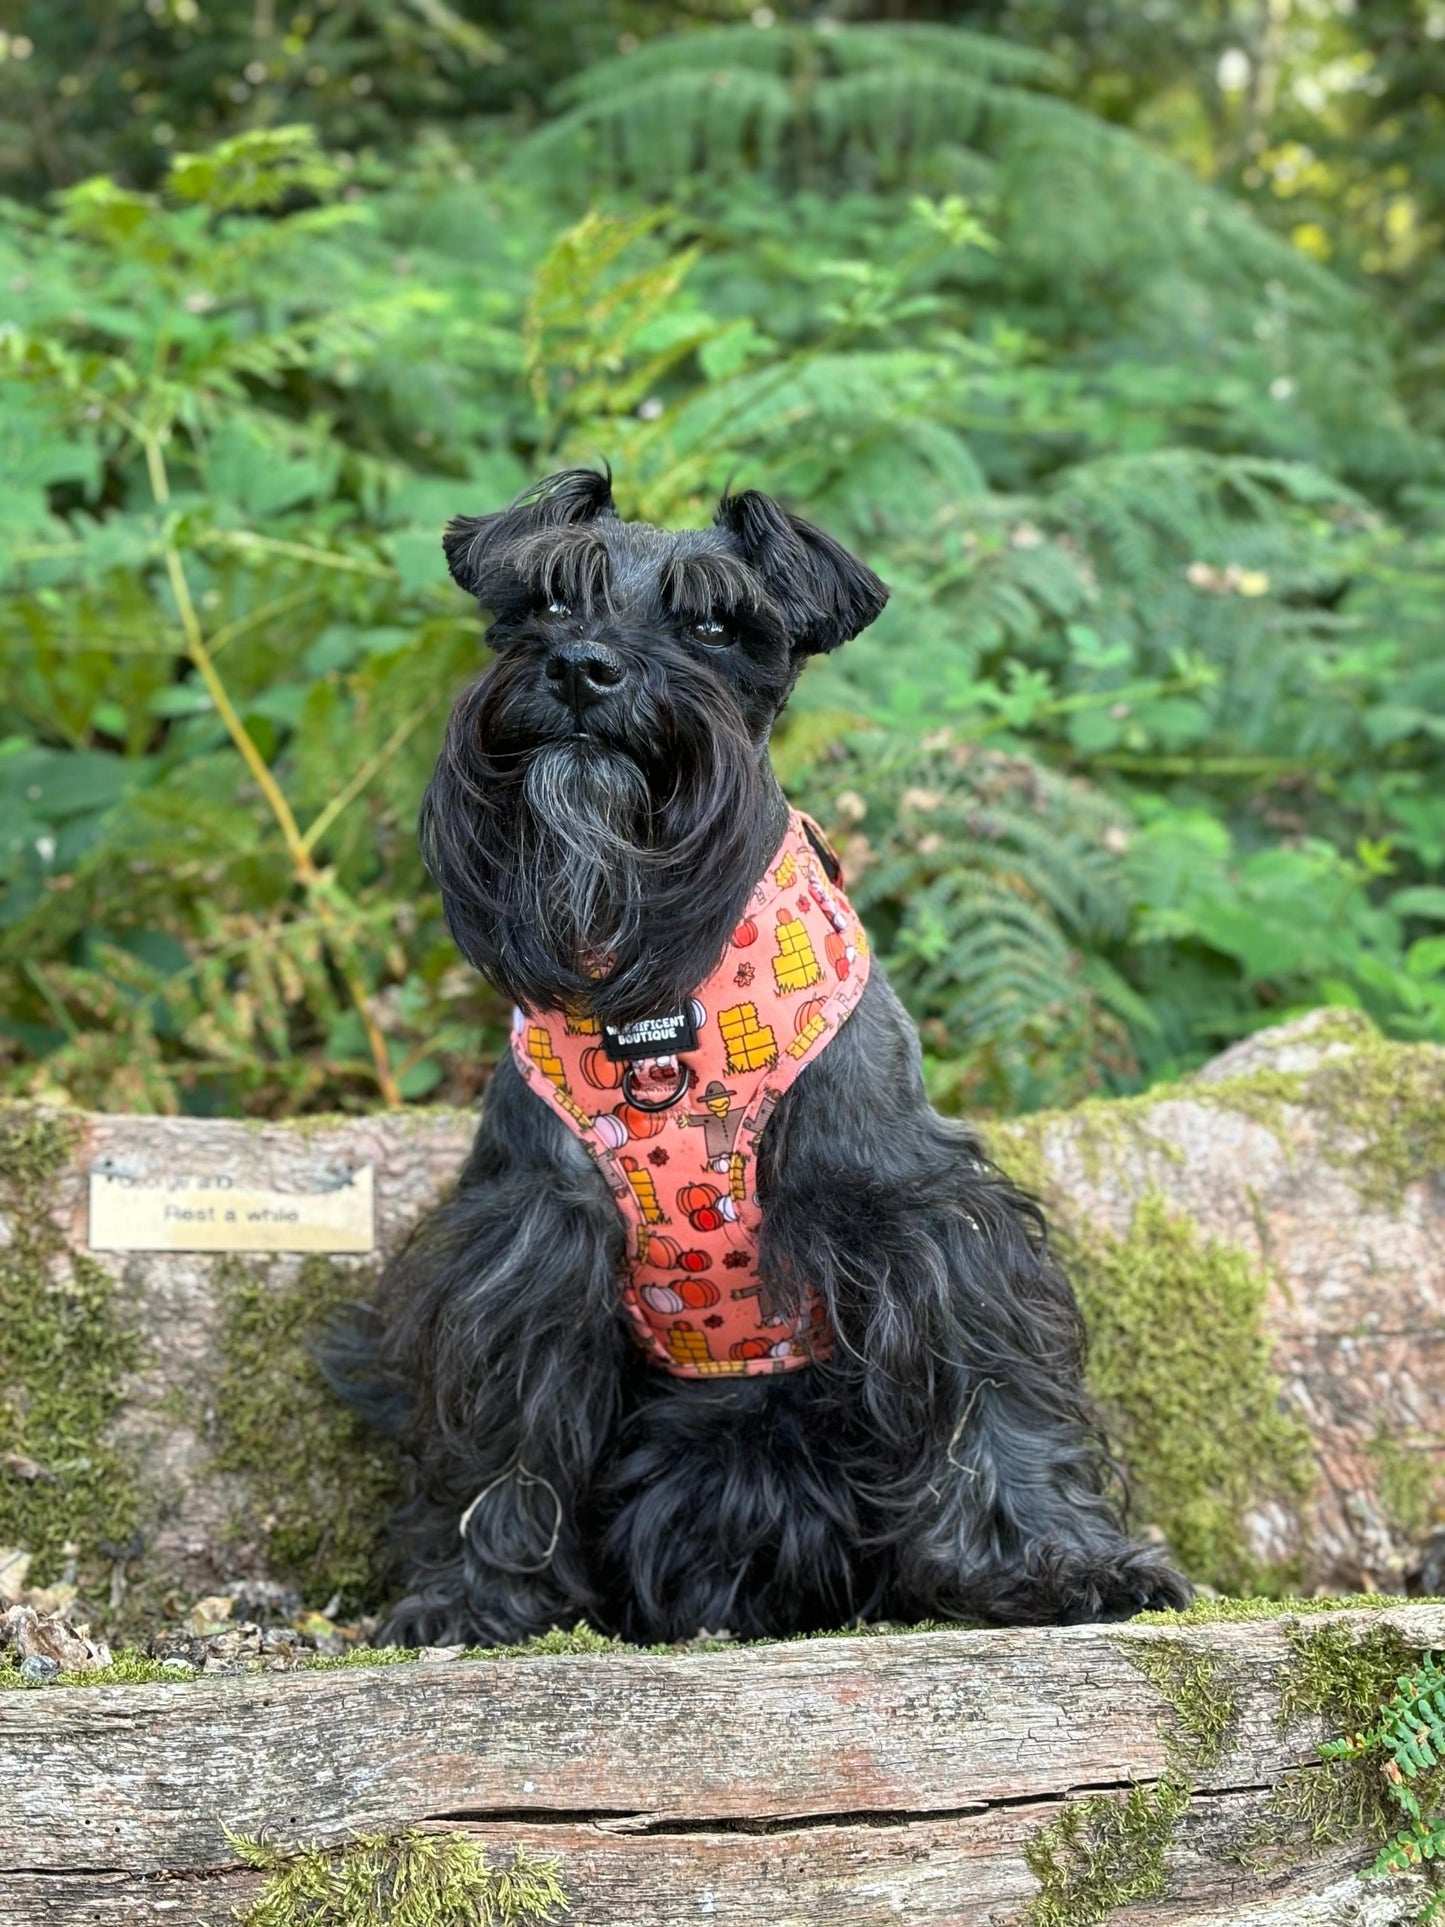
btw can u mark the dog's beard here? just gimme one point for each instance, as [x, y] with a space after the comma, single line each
[581, 852]
[580, 874]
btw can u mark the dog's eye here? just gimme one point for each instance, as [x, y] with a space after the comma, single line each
[715, 634]
[558, 609]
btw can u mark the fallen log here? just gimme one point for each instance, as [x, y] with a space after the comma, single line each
[1260, 1251]
[947, 1779]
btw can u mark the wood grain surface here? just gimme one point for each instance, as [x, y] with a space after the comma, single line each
[864, 1780]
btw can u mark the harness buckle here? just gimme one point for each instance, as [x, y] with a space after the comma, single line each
[638, 1103]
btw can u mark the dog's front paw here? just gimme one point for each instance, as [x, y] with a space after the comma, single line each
[1074, 1586]
[1140, 1579]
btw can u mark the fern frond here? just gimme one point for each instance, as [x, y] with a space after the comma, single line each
[897, 118]
[1076, 189]
[716, 120]
[982, 876]
[930, 48]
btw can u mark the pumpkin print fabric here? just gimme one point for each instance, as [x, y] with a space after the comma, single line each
[684, 1174]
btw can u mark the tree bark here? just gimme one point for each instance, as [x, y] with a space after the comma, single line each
[879, 1779]
[1274, 1151]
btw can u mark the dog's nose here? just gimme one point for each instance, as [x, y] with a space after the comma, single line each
[583, 672]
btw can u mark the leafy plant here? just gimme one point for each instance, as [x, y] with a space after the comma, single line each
[93, 87]
[1158, 531]
[157, 362]
[992, 887]
[1406, 1747]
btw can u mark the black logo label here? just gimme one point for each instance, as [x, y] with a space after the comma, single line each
[650, 1037]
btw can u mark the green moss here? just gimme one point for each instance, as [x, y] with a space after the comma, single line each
[582, 1639]
[1196, 1685]
[319, 1485]
[1263, 1096]
[65, 1354]
[1328, 1805]
[1180, 1367]
[361, 1656]
[1016, 1145]
[1385, 1104]
[1410, 1480]
[1101, 1853]
[129, 1667]
[398, 1880]
[1339, 1024]
[1377, 1694]
[1381, 1106]
[133, 1667]
[35, 1147]
[1342, 1674]
[1210, 1612]
[559, 1642]
[1096, 1128]
[1105, 1125]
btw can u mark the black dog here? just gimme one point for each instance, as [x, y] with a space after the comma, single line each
[601, 813]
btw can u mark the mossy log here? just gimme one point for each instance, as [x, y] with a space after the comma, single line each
[948, 1779]
[1260, 1252]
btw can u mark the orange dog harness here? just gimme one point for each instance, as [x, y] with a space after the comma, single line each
[672, 1109]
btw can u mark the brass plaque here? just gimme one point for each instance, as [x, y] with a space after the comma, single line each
[183, 1213]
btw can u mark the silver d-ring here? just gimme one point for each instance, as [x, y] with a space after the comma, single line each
[684, 1078]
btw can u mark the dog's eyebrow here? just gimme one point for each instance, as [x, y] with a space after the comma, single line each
[697, 584]
[566, 565]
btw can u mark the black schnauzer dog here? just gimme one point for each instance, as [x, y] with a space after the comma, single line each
[602, 817]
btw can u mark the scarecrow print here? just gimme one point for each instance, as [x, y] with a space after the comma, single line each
[692, 1288]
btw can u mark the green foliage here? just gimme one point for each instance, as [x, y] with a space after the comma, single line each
[802, 100]
[1383, 1781]
[1157, 526]
[1407, 1744]
[212, 482]
[94, 86]
[991, 887]
[1102, 233]
[1324, 119]
[404, 1879]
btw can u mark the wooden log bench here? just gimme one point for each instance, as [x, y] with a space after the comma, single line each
[917, 1778]
[164, 1437]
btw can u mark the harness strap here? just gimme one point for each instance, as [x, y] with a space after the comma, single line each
[676, 1134]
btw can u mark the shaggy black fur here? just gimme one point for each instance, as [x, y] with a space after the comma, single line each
[604, 802]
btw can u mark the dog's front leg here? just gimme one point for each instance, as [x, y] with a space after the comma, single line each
[497, 1360]
[957, 1373]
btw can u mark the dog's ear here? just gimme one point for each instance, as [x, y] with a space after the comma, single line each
[473, 545]
[477, 546]
[825, 594]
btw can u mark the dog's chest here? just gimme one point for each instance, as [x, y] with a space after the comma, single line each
[673, 1111]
